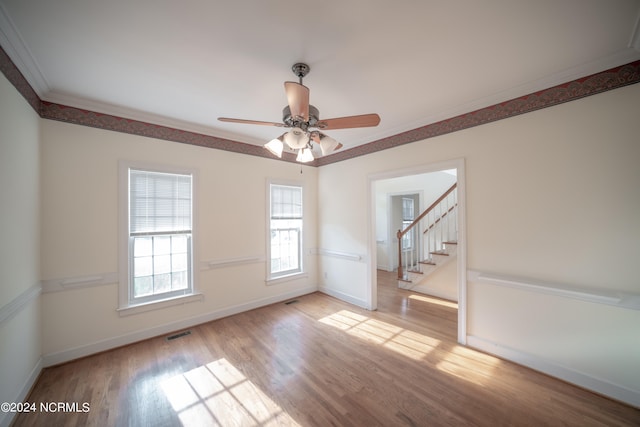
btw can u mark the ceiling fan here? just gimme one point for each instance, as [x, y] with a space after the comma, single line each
[305, 123]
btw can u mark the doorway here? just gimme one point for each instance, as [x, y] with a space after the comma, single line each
[421, 182]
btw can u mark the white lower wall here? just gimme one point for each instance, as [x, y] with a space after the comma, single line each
[20, 361]
[338, 271]
[550, 195]
[20, 323]
[573, 336]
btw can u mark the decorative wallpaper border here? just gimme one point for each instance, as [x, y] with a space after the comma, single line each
[597, 83]
[16, 78]
[64, 113]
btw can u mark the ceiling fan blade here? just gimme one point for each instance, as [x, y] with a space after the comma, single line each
[250, 122]
[298, 99]
[361, 121]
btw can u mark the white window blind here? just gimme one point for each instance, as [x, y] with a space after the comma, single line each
[159, 203]
[407, 209]
[286, 202]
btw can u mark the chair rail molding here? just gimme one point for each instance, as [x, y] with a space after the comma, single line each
[13, 307]
[339, 254]
[78, 282]
[230, 262]
[622, 299]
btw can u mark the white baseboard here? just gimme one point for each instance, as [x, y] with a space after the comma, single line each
[7, 417]
[344, 297]
[110, 343]
[597, 385]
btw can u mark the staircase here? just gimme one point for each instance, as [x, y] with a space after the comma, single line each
[430, 241]
[415, 276]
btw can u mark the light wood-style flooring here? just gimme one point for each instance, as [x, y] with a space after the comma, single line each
[318, 362]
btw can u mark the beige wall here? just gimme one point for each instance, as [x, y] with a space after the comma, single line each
[80, 234]
[552, 196]
[20, 326]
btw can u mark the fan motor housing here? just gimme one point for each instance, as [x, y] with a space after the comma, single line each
[293, 122]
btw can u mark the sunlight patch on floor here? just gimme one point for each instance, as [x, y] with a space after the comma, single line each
[219, 394]
[408, 343]
[437, 301]
[469, 365]
[459, 361]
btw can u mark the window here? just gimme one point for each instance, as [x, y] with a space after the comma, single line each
[158, 236]
[407, 218]
[285, 230]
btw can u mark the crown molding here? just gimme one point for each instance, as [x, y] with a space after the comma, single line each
[634, 41]
[593, 84]
[15, 47]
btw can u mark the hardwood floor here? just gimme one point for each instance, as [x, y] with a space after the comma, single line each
[317, 362]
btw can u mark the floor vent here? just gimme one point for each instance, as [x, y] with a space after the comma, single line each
[293, 301]
[178, 335]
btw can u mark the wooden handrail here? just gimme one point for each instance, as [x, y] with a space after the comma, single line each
[401, 233]
[429, 209]
[426, 230]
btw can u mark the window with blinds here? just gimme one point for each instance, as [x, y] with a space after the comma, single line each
[408, 214]
[160, 227]
[285, 207]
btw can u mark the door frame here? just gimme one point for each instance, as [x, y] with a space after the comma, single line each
[372, 291]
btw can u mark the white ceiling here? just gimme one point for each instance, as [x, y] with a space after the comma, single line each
[184, 63]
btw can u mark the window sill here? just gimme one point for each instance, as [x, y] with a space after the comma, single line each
[160, 304]
[282, 279]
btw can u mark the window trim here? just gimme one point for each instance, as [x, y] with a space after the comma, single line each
[272, 279]
[125, 307]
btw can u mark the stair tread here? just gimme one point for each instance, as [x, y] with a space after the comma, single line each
[439, 253]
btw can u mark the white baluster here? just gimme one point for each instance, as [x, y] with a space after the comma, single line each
[446, 224]
[455, 224]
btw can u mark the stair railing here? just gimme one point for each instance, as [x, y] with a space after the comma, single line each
[441, 227]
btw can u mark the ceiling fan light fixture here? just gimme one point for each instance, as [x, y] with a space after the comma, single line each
[327, 144]
[303, 120]
[296, 138]
[305, 155]
[275, 146]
